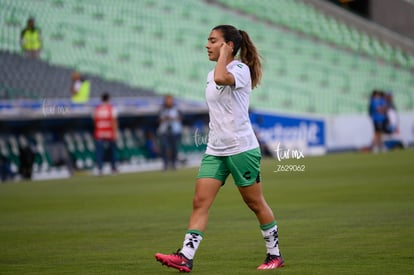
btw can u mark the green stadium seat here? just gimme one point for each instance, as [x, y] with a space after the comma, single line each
[159, 45]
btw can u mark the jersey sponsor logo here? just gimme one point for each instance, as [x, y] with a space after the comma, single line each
[240, 65]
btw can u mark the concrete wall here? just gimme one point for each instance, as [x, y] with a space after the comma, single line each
[396, 15]
[354, 132]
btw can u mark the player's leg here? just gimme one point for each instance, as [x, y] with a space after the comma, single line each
[211, 176]
[99, 155]
[205, 192]
[245, 169]
[175, 144]
[253, 197]
[377, 139]
[164, 150]
[112, 148]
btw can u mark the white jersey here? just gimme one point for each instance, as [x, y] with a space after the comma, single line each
[230, 129]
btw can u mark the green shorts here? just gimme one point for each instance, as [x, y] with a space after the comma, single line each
[244, 167]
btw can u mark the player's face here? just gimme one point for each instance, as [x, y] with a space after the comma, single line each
[214, 42]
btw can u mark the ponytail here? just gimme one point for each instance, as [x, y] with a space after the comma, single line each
[250, 56]
[248, 51]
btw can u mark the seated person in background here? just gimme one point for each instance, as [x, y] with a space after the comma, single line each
[80, 88]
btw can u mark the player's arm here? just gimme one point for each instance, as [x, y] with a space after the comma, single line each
[221, 75]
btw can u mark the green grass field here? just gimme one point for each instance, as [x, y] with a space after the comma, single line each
[346, 214]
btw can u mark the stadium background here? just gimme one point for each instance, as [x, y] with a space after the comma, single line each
[321, 62]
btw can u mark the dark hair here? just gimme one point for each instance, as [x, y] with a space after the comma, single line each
[105, 97]
[248, 52]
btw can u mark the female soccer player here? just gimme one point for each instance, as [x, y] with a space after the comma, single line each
[232, 146]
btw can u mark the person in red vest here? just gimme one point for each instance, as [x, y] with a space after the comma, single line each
[106, 128]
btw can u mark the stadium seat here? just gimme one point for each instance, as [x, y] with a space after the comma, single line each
[42, 158]
[14, 154]
[158, 46]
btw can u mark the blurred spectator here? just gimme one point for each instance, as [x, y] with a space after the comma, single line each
[80, 88]
[392, 117]
[169, 132]
[26, 158]
[106, 128]
[5, 170]
[378, 114]
[30, 39]
[151, 146]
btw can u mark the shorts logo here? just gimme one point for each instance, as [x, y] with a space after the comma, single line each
[246, 175]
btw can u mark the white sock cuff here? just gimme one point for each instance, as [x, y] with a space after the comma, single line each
[268, 231]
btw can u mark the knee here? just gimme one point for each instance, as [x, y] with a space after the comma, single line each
[201, 202]
[254, 206]
[198, 202]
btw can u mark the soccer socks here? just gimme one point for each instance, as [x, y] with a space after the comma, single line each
[191, 242]
[269, 231]
[270, 235]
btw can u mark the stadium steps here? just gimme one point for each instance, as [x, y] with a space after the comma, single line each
[27, 78]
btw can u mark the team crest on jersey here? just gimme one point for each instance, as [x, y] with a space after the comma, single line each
[219, 88]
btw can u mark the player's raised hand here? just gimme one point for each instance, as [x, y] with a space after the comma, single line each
[226, 50]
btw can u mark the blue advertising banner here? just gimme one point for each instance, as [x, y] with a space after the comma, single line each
[289, 129]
